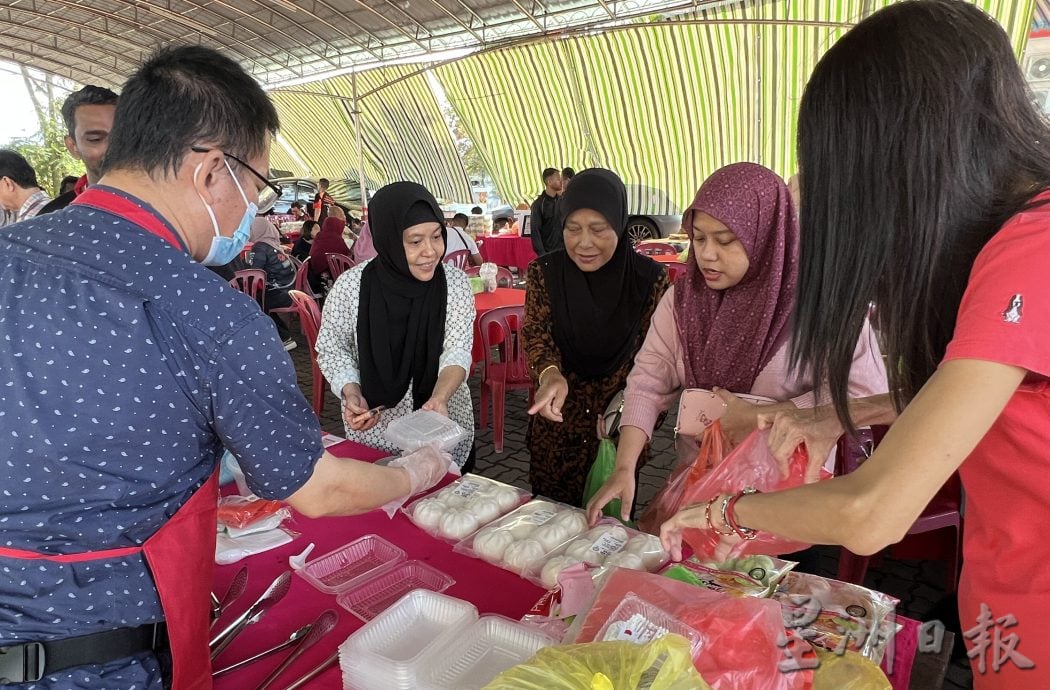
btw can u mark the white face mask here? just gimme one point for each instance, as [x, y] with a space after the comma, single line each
[224, 249]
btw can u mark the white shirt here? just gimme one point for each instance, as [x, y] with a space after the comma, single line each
[458, 240]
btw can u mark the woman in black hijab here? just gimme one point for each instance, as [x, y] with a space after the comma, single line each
[587, 311]
[397, 330]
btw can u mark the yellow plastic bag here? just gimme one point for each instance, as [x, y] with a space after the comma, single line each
[849, 671]
[663, 664]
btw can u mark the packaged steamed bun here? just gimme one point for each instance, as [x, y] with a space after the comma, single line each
[464, 506]
[606, 545]
[522, 540]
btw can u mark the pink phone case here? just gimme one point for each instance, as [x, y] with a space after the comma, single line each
[699, 408]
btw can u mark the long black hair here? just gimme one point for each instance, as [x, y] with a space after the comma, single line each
[917, 140]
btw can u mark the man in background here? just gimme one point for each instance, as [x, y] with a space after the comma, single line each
[322, 200]
[88, 116]
[20, 194]
[545, 237]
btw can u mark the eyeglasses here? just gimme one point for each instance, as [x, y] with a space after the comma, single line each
[269, 194]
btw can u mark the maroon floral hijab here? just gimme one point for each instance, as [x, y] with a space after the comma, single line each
[729, 336]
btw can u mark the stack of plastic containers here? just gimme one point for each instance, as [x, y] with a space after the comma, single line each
[429, 641]
[424, 428]
[369, 574]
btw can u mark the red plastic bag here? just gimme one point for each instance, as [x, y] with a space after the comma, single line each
[740, 644]
[750, 464]
[669, 500]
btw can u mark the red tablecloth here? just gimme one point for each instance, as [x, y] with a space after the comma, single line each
[508, 251]
[487, 301]
[491, 589]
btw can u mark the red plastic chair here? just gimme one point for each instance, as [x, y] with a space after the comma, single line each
[940, 514]
[504, 278]
[310, 320]
[505, 364]
[337, 263]
[675, 270]
[252, 282]
[459, 259]
[657, 249]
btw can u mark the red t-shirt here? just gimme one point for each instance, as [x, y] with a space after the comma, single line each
[1005, 317]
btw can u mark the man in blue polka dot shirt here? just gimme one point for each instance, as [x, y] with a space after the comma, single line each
[128, 367]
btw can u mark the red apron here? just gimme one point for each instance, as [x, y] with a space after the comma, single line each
[181, 554]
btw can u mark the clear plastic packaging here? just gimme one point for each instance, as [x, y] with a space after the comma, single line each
[388, 652]
[370, 598]
[464, 506]
[838, 615]
[473, 657]
[638, 621]
[749, 576]
[606, 545]
[521, 540]
[424, 428]
[349, 565]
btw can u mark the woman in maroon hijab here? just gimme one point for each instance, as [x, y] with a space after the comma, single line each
[724, 325]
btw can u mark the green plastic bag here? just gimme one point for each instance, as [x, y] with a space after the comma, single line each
[600, 471]
[663, 664]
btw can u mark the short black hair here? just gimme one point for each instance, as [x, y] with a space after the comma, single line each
[89, 95]
[547, 172]
[324, 182]
[568, 173]
[462, 217]
[295, 204]
[188, 96]
[14, 166]
[307, 230]
[476, 211]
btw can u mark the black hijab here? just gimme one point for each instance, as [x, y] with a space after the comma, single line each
[597, 315]
[400, 320]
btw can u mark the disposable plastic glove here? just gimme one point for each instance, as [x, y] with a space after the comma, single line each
[425, 468]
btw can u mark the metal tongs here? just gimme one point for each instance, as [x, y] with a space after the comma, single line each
[292, 639]
[320, 627]
[235, 590]
[273, 594]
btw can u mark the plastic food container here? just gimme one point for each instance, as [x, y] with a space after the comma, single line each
[636, 620]
[388, 651]
[473, 657]
[424, 428]
[521, 540]
[341, 569]
[370, 598]
[464, 506]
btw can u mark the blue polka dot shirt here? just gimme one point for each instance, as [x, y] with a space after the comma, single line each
[127, 367]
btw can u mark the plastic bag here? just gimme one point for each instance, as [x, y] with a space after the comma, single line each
[488, 273]
[662, 664]
[849, 671]
[750, 464]
[671, 497]
[600, 471]
[232, 549]
[724, 624]
[247, 514]
[751, 576]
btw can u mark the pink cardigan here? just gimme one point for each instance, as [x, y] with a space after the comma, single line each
[658, 376]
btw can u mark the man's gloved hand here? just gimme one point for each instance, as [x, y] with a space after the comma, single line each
[425, 468]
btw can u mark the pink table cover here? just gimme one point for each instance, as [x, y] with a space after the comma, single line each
[508, 251]
[491, 589]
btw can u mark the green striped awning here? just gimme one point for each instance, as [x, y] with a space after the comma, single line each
[404, 132]
[663, 104]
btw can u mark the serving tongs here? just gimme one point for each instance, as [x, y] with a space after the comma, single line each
[314, 672]
[273, 594]
[324, 624]
[233, 592]
[292, 639]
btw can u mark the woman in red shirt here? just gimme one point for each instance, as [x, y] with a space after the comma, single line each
[926, 191]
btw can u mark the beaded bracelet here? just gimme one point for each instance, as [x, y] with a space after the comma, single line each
[730, 519]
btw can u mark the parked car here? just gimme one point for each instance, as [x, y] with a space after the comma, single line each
[651, 214]
[347, 193]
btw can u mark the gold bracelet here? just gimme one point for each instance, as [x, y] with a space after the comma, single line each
[539, 379]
